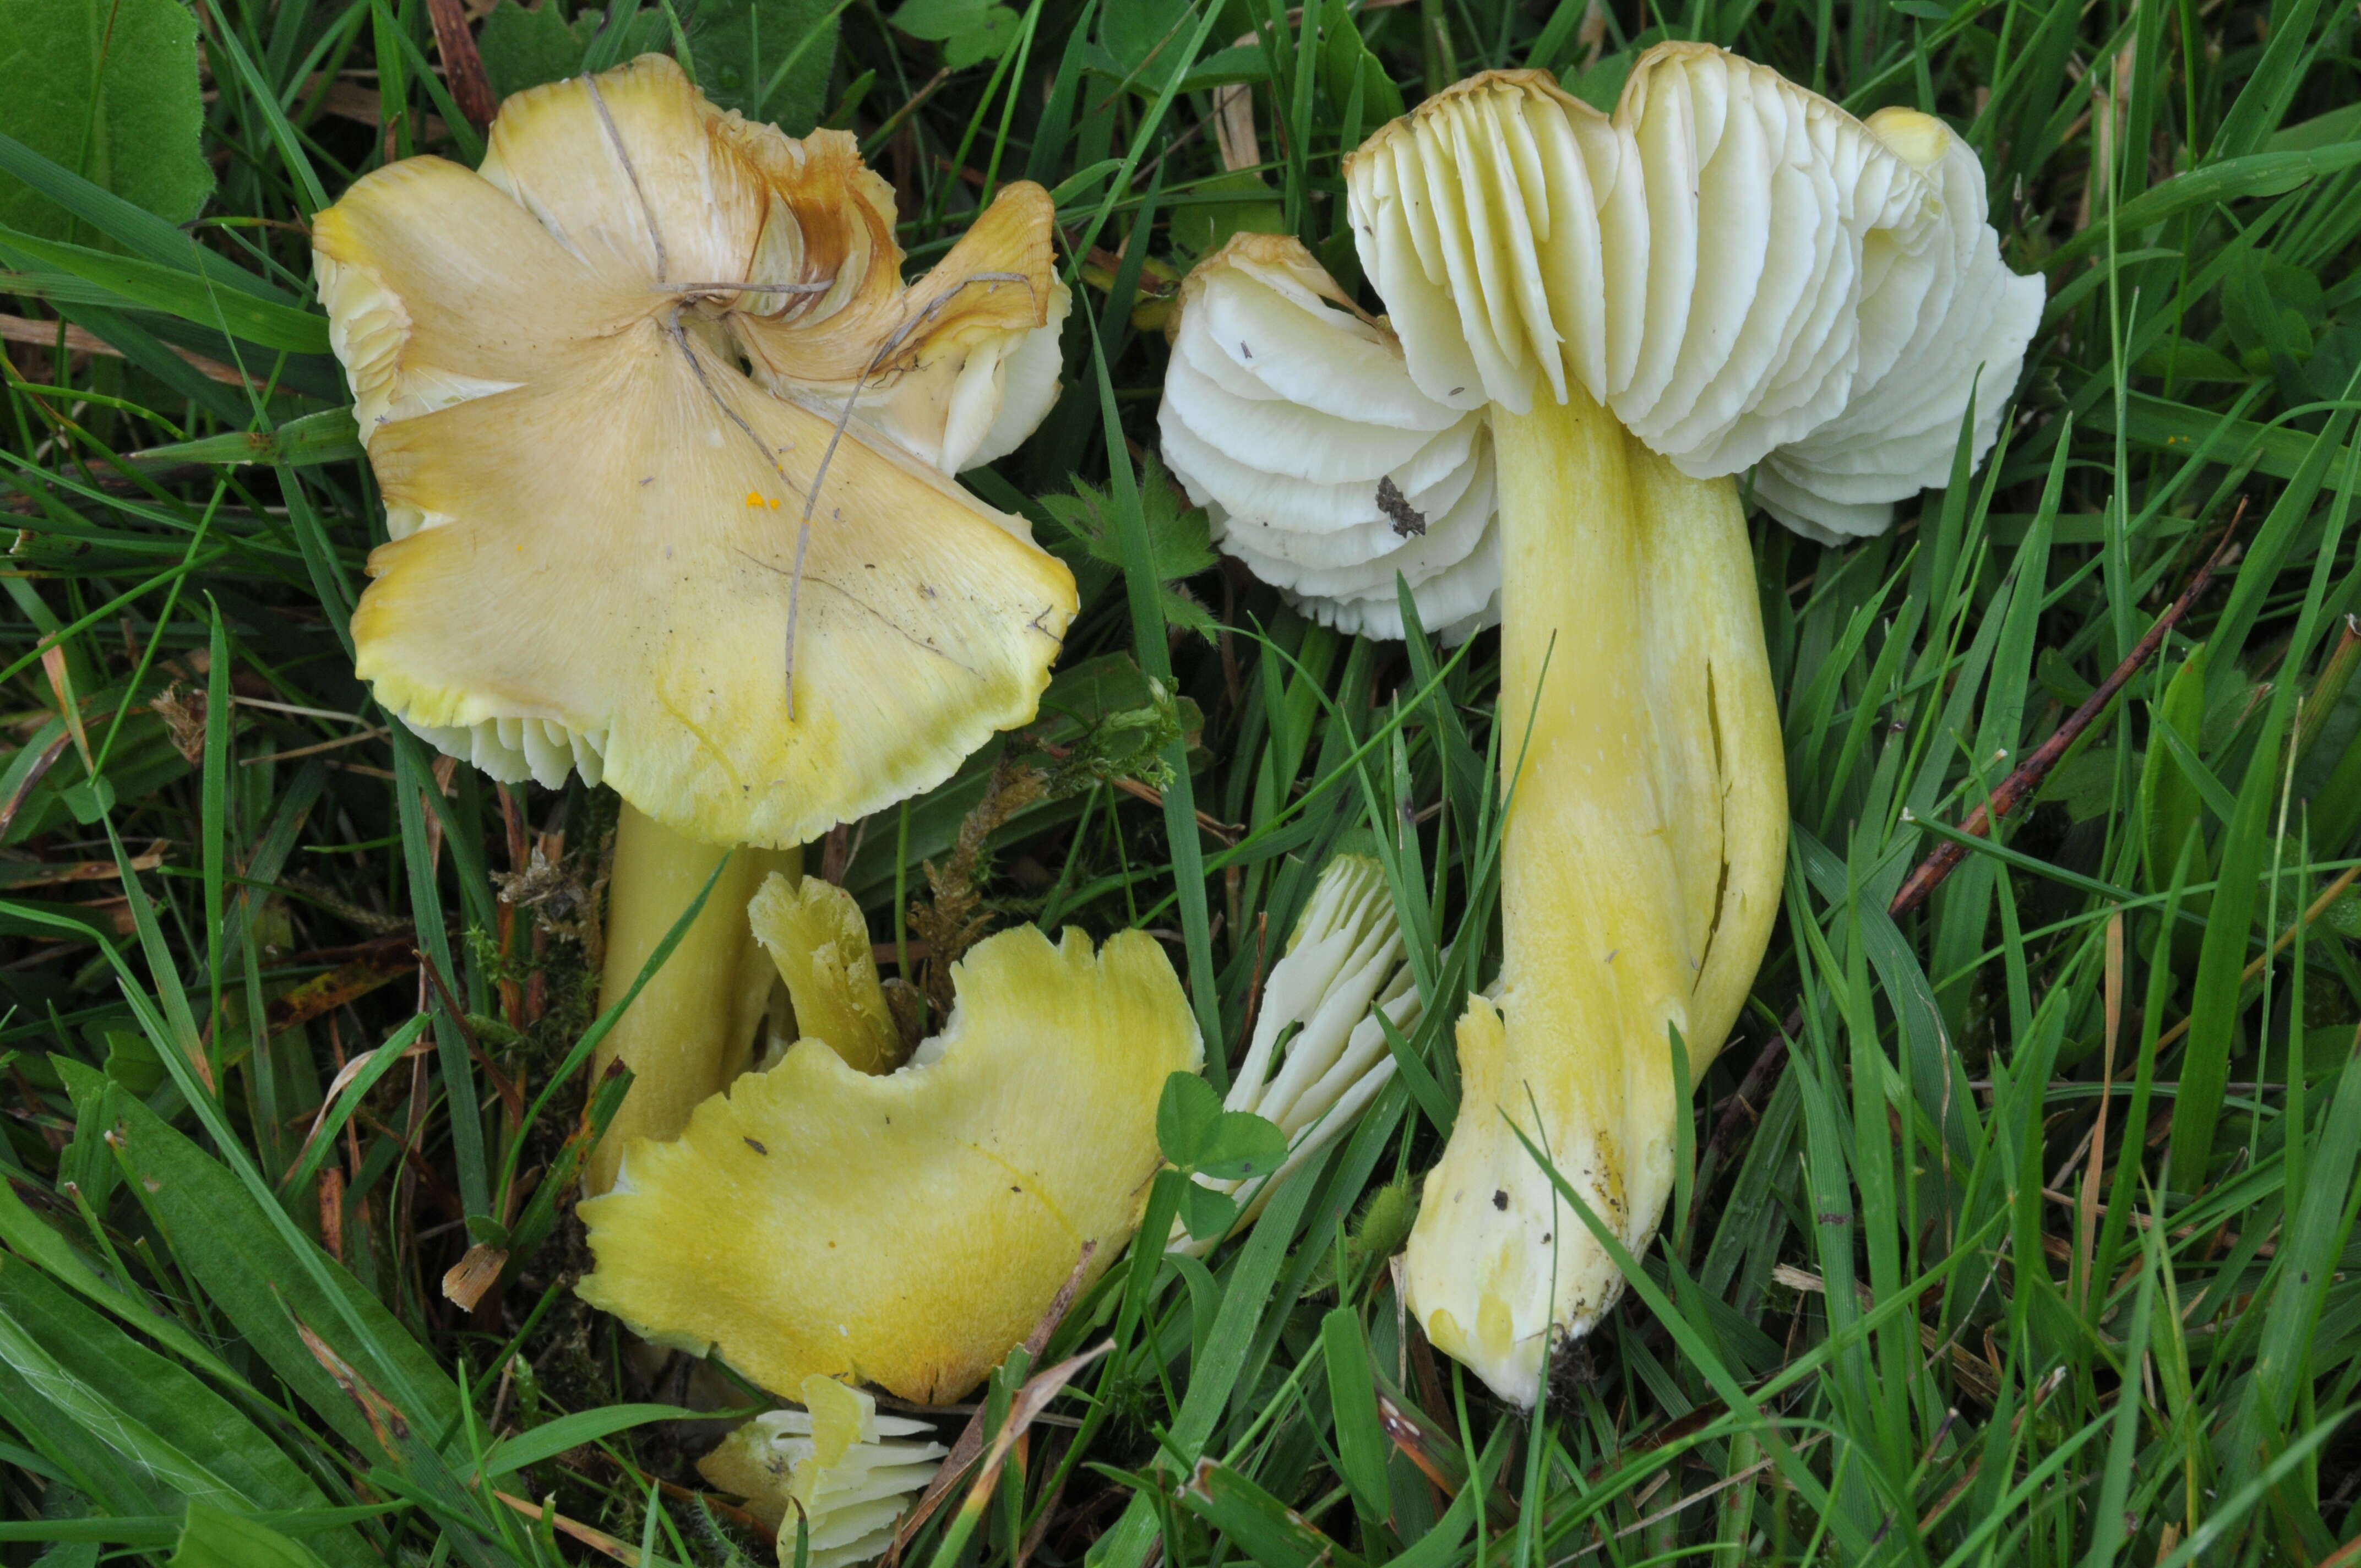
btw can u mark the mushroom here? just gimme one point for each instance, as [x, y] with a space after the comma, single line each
[908, 1228]
[835, 1472]
[1342, 967]
[1730, 273]
[665, 444]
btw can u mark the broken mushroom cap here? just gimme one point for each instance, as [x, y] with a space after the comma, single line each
[836, 1468]
[907, 1230]
[614, 551]
[819, 943]
[1291, 417]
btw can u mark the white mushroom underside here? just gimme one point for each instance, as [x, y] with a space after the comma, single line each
[1748, 277]
[852, 1505]
[513, 750]
[1343, 966]
[1282, 416]
[1741, 272]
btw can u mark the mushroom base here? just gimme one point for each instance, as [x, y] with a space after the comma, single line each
[1645, 842]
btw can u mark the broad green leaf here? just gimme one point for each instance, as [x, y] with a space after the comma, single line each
[47, 1421]
[936, 20]
[156, 1416]
[969, 30]
[1177, 538]
[1206, 1211]
[523, 48]
[1204, 226]
[1599, 86]
[993, 38]
[107, 88]
[1185, 1118]
[229, 1247]
[1240, 1144]
[1132, 30]
[769, 59]
[1345, 60]
[135, 229]
[1272, 1533]
[64, 1264]
[625, 30]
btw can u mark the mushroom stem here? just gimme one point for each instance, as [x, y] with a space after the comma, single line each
[1645, 837]
[690, 1031]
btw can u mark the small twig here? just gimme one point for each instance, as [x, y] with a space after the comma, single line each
[877, 361]
[893, 122]
[341, 740]
[820, 287]
[269, 706]
[44, 334]
[2028, 774]
[463, 67]
[511, 1092]
[1228, 832]
[596, 1539]
[969, 1446]
[630, 172]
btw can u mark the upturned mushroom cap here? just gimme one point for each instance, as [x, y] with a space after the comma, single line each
[1291, 418]
[1745, 275]
[907, 1230]
[596, 515]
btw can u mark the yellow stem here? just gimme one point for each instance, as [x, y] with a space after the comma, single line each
[691, 1030]
[1644, 845]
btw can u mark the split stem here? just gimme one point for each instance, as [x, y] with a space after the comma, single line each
[1645, 844]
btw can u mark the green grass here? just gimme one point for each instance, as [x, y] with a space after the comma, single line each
[2039, 1252]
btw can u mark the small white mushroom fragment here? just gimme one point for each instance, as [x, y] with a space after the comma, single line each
[835, 1472]
[1318, 1054]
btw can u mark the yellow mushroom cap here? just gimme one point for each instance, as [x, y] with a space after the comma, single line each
[907, 1230]
[596, 515]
